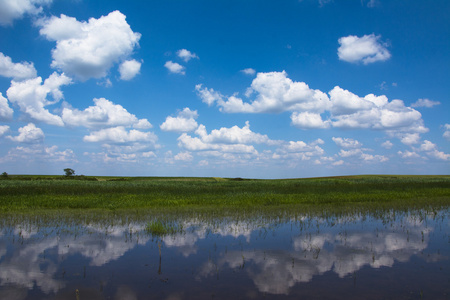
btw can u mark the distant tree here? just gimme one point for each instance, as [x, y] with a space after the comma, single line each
[69, 172]
[4, 175]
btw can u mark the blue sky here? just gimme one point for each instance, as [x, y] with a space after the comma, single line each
[256, 89]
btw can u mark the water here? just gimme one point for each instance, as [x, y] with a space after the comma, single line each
[399, 256]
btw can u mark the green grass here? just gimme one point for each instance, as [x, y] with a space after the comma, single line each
[44, 193]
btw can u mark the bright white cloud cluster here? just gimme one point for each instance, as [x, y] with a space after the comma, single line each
[313, 109]
[426, 148]
[16, 71]
[186, 55]
[104, 114]
[32, 96]
[184, 122]
[174, 67]
[129, 69]
[28, 134]
[275, 93]
[89, 49]
[15, 9]
[6, 112]
[119, 135]
[224, 140]
[366, 49]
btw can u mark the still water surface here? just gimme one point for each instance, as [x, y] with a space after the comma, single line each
[404, 256]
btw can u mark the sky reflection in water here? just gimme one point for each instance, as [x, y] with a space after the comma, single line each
[353, 257]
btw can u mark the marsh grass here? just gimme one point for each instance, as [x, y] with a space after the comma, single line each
[45, 193]
[159, 228]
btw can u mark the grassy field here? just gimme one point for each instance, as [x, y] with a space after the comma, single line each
[43, 193]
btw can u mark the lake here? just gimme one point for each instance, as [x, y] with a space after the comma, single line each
[394, 255]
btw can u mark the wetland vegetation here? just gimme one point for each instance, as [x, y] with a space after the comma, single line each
[81, 237]
[72, 193]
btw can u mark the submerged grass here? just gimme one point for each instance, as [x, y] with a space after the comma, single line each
[43, 193]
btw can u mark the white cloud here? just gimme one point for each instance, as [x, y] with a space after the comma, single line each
[338, 163]
[408, 154]
[410, 138]
[208, 96]
[276, 93]
[89, 49]
[373, 158]
[351, 152]
[16, 71]
[346, 143]
[28, 134]
[184, 122]
[6, 112]
[184, 156]
[15, 9]
[104, 114]
[224, 140]
[186, 55]
[129, 69]
[31, 96]
[447, 132]
[387, 145]
[431, 150]
[372, 112]
[233, 135]
[174, 67]
[307, 120]
[3, 129]
[249, 71]
[367, 49]
[120, 135]
[425, 103]
[345, 102]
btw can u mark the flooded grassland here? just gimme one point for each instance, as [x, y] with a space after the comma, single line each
[345, 250]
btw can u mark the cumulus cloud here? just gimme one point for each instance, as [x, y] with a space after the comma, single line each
[129, 69]
[447, 132]
[275, 92]
[11, 10]
[431, 150]
[6, 112]
[408, 154]
[28, 134]
[174, 67]
[32, 96]
[3, 129]
[184, 156]
[208, 96]
[184, 122]
[16, 71]
[410, 138]
[425, 103]
[366, 49]
[104, 114]
[119, 135]
[186, 55]
[307, 120]
[89, 49]
[233, 135]
[346, 143]
[224, 140]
